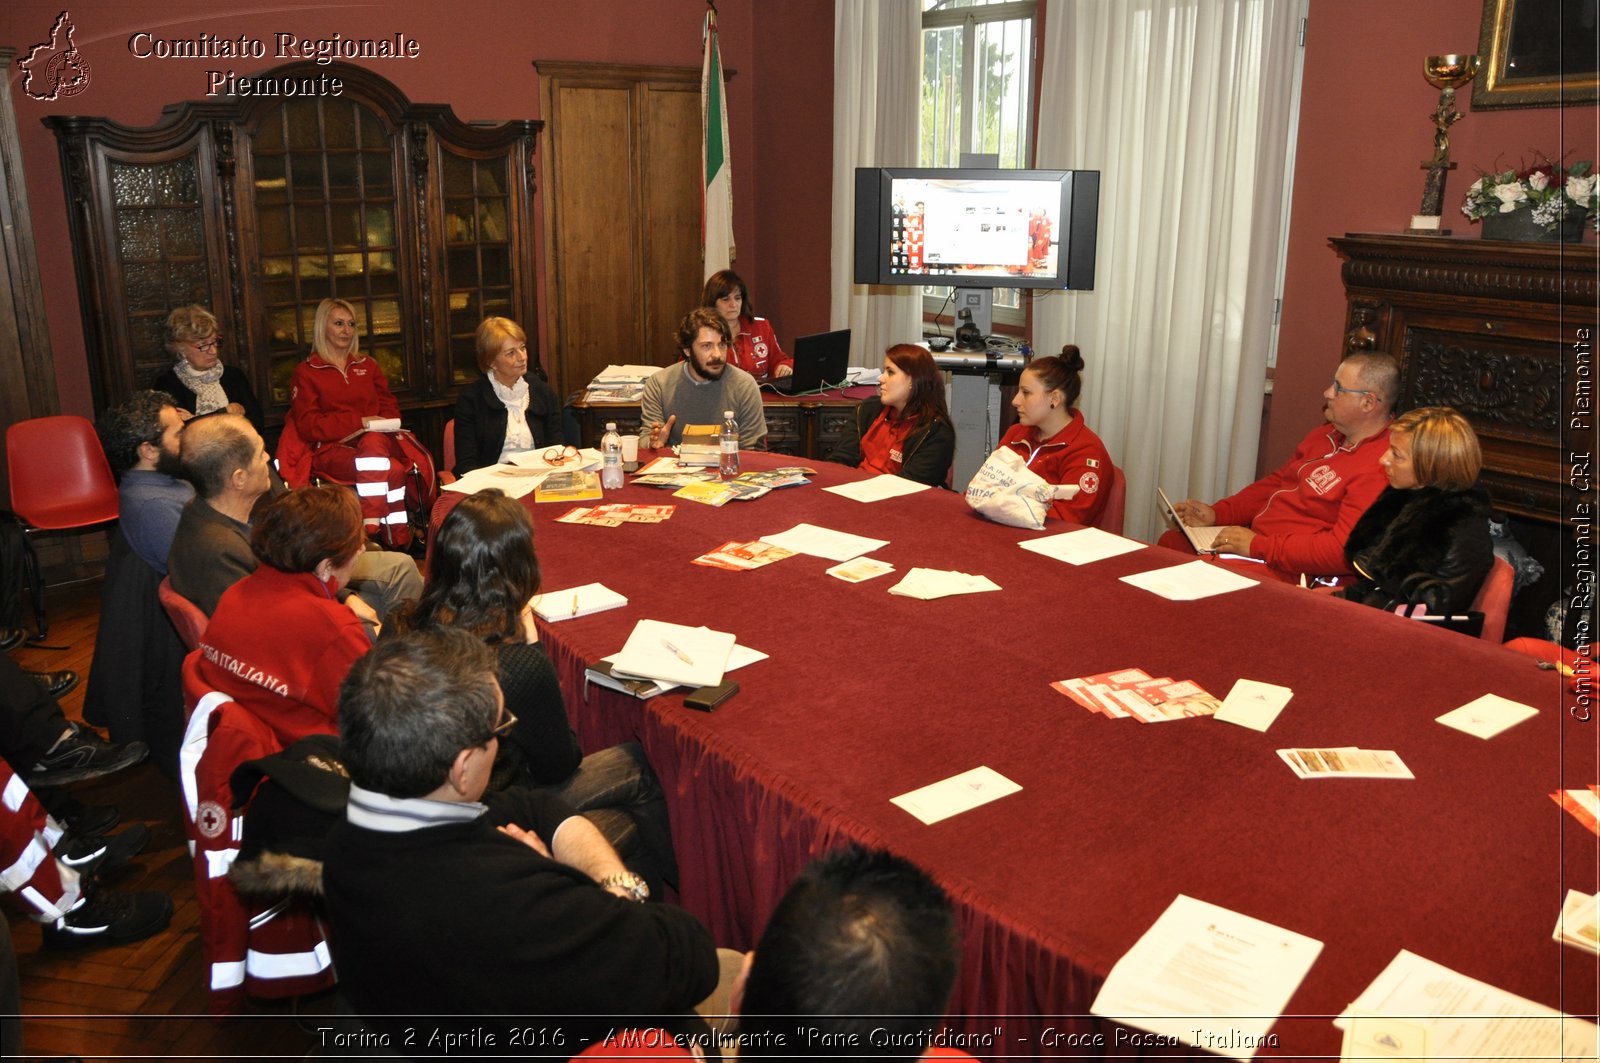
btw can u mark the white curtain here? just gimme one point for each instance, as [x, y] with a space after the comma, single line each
[1183, 106]
[877, 83]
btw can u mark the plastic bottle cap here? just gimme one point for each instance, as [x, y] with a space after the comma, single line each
[611, 426]
[727, 415]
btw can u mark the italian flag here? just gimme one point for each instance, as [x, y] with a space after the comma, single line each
[716, 218]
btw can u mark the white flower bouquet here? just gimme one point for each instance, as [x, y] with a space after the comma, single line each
[1551, 194]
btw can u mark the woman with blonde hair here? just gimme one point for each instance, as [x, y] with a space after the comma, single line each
[1425, 540]
[198, 381]
[507, 409]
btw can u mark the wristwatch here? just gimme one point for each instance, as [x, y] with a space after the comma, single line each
[633, 887]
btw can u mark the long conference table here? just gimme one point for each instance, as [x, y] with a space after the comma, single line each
[868, 695]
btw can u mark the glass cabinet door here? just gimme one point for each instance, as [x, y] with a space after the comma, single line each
[478, 250]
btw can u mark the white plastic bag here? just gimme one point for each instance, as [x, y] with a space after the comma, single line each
[1006, 491]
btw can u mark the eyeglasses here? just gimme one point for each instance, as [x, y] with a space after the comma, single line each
[1340, 389]
[501, 729]
[207, 346]
[560, 455]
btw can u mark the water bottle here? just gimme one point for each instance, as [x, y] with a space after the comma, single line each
[730, 445]
[611, 451]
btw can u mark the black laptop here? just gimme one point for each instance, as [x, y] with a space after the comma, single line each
[820, 362]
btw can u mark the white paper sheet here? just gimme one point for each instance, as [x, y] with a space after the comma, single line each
[1487, 716]
[513, 481]
[824, 542]
[878, 488]
[930, 583]
[692, 656]
[1254, 704]
[860, 569]
[1200, 960]
[1189, 582]
[555, 606]
[1081, 547]
[957, 794]
[1468, 1019]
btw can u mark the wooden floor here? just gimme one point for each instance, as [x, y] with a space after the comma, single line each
[146, 1000]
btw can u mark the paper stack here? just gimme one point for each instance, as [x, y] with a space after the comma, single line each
[702, 445]
[1346, 762]
[741, 557]
[1132, 692]
[553, 606]
[673, 653]
[930, 583]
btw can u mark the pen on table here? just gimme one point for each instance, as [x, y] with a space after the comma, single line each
[684, 657]
[574, 603]
[1557, 666]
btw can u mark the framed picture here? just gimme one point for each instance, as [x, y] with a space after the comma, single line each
[1538, 53]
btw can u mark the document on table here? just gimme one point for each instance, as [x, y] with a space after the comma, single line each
[1464, 1018]
[824, 542]
[1346, 762]
[649, 688]
[1583, 804]
[514, 481]
[957, 794]
[1487, 716]
[1189, 582]
[860, 569]
[878, 488]
[674, 653]
[930, 583]
[1211, 977]
[1081, 547]
[1254, 704]
[553, 606]
[1579, 921]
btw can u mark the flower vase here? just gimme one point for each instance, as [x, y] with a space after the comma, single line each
[1519, 225]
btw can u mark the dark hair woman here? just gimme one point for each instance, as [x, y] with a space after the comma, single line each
[754, 346]
[280, 642]
[906, 430]
[1051, 434]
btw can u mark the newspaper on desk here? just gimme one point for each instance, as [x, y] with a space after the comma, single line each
[620, 383]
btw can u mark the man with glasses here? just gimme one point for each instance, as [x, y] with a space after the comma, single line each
[547, 926]
[1297, 519]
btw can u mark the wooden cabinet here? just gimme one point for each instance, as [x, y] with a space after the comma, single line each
[1504, 332]
[261, 207]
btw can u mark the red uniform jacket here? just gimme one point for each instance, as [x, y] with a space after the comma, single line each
[756, 350]
[326, 405]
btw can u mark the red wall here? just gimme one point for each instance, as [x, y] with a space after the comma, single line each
[1364, 132]
[478, 58]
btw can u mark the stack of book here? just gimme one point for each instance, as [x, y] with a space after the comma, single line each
[701, 446]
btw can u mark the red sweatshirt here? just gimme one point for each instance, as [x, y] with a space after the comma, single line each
[756, 350]
[327, 405]
[1073, 455]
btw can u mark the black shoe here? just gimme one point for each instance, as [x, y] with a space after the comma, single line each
[109, 918]
[57, 683]
[78, 818]
[96, 855]
[84, 755]
[11, 638]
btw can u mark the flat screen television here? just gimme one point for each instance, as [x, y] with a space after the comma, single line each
[974, 228]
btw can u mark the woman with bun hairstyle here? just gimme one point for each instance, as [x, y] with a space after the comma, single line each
[1052, 437]
[906, 430]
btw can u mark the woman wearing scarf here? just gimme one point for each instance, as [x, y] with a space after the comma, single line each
[198, 381]
[505, 411]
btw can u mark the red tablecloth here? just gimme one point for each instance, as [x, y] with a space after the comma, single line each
[868, 695]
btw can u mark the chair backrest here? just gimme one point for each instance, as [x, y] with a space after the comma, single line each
[449, 449]
[1494, 600]
[59, 474]
[188, 619]
[1116, 503]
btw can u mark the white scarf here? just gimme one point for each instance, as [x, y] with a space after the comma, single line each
[519, 436]
[208, 394]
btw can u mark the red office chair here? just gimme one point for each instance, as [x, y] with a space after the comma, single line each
[447, 470]
[1494, 599]
[187, 618]
[59, 479]
[1116, 503]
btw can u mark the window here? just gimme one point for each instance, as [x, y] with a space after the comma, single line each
[977, 97]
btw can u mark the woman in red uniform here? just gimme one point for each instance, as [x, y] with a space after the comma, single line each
[755, 346]
[336, 394]
[906, 430]
[1051, 435]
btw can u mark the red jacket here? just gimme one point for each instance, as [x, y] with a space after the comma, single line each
[27, 842]
[280, 645]
[1073, 455]
[756, 350]
[326, 405]
[1303, 513]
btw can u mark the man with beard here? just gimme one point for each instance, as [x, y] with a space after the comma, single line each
[699, 388]
[141, 441]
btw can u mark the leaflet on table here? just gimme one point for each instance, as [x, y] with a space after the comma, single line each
[957, 794]
[568, 487]
[824, 542]
[1254, 704]
[588, 460]
[1346, 762]
[674, 653]
[707, 492]
[553, 606]
[1132, 692]
[1463, 1018]
[616, 515]
[742, 557]
[1209, 976]
[927, 584]
[877, 488]
[1081, 547]
[1584, 805]
[860, 569]
[1189, 582]
[514, 481]
[1487, 716]
[1579, 921]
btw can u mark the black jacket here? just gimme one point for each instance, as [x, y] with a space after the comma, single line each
[1427, 544]
[928, 450]
[235, 384]
[481, 422]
